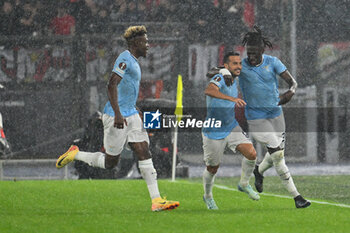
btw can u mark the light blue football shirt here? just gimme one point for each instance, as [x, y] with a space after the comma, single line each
[223, 110]
[259, 86]
[127, 67]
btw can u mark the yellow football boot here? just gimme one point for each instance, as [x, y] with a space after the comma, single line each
[67, 157]
[159, 204]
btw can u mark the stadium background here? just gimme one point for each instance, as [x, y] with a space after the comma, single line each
[56, 80]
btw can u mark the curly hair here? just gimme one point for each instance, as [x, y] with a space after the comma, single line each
[256, 38]
[134, 31]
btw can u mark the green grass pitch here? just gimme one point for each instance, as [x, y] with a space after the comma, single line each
[124, 206]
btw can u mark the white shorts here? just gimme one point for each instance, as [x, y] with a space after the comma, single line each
[214, 149]
[270, 132]
[115, 139]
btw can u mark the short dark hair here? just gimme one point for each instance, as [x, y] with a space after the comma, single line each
[255, 38]
[229, 54]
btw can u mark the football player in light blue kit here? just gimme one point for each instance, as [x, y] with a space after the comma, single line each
[222, 96]
[121, 121]
[259, 86]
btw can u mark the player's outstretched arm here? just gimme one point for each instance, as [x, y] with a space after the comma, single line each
[287, 96]
[213, 91]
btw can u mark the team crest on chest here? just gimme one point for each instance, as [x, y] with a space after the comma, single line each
[267, 68]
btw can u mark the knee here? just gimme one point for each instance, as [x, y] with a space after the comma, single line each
[143, 154]
[141, 150]
[251, 155]
[273, 150]
[277, 156]
[111, 161]
[247, 150]
[212, 169]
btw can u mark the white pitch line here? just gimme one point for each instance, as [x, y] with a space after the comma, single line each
[288, 197]
[274, 195]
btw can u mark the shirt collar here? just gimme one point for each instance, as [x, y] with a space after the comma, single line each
[132, 55]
